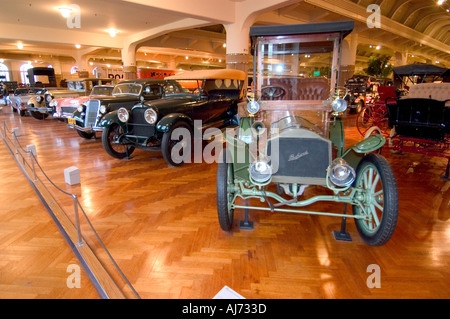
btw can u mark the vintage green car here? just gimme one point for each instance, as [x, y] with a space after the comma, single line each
[193, 101]
[291, 137]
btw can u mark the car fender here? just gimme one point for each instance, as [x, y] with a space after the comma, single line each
[167, 121]
[77, 116]
[369, 144]
[109, 119]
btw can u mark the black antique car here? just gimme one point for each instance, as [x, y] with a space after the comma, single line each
[362, 90]
[125, 94]
[209, 96]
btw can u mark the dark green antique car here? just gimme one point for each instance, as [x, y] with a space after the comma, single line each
[86, 119]
[209, 96]
[293, 137]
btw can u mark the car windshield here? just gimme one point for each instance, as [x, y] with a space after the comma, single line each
[76, 85]
[182, 86]
[293, 76]
[127, 88]
[102, 90]
[294, 122]
[27, 91]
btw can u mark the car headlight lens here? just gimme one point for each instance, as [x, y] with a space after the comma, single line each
[123, 114]
[39, 99]
[339, 105]
[103, 109]
[80, 108]
[260, 172]
[252, 107]
[150, 116]
[48, 98]
[340, 173]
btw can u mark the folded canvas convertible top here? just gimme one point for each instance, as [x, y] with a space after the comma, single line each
[218, 74]
[419, 69]
[346, 27]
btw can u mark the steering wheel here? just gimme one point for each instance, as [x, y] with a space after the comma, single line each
[272, 92]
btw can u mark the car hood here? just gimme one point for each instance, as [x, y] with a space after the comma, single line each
[72, 101]
[171, 102]
[23, 98]
[115, 98]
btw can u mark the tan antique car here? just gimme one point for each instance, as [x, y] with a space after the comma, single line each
[41, 106]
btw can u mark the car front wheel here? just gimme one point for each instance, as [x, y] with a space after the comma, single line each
[225, 194]
[38, 115]
[176, 144]
[379, 200]
[109, 140]
[86, 135]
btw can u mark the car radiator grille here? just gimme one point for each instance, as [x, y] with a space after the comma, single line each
[92, 109]
[138, 126]
[68, 109]
[300, 160]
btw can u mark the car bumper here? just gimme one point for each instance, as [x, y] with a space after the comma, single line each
[85, 129]
[63, 115]
[40, 109]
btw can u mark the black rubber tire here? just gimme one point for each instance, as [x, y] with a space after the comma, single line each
[38, 115]
[86, 135]
[119, 151]
[167, 144]
[224, 178]
[379, 235]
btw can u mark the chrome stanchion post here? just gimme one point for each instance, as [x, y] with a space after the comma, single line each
[77, 220]
[31, 157]
[14, 138]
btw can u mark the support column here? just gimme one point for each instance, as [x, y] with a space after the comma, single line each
[238, 42]
[401, 58]
[348, 58]
[56, 64]
[129, 62]
[81, 61]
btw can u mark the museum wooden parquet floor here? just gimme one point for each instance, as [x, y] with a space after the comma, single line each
[160, 225]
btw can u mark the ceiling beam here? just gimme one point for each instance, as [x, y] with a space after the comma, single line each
[356, 12]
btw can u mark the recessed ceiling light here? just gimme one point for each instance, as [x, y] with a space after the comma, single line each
[65, 11]
[20, 45]
[112, 32]
[77, 46]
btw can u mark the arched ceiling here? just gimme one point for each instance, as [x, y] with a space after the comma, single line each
[419, 29]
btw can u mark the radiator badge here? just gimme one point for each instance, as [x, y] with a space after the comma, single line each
[293, 157]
